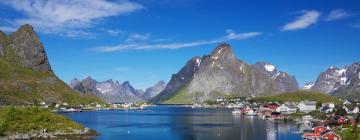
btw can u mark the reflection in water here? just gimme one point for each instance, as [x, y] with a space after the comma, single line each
[181, 123]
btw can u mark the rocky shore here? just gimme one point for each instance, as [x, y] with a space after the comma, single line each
[86, 133]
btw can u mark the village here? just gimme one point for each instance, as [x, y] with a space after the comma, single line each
[66, 108]
[326, 121]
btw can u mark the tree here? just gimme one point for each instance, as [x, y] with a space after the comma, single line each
[340, 111]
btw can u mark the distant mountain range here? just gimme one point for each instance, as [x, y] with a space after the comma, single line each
[115, 92]
[222, 74]
[26, 76]
[341, 82]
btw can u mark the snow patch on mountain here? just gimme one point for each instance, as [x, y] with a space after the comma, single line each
[308, 86]
[269, 67]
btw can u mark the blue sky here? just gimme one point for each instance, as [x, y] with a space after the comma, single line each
[145, 41]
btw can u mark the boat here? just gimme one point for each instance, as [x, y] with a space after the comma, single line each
[236, 112]
[251, 112]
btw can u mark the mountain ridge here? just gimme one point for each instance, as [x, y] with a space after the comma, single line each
[114, 91]
[215, 75]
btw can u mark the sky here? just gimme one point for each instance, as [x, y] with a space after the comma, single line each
[144, 41]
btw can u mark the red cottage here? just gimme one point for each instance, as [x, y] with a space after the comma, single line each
[271, 106]
[319, 129]
[329, 135]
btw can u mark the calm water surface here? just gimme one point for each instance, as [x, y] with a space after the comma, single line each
[180, 123]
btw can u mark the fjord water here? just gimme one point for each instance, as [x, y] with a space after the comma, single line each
[181, 123]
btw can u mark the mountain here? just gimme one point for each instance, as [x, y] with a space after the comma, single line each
[308, 86]
[219, 74]
[154, 90]
[113, 91]
[284, 81]
[341, 82]
[26, 76]
[87, 86]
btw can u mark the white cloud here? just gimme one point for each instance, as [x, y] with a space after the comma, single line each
[138, 37]
[308, 18]
[7, 29]
[114, 32]
[67, 17]
[337, 14]
[231, 35]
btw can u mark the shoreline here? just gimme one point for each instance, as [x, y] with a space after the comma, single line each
[86, 133]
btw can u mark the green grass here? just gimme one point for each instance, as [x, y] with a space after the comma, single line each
[179, 98]
[19, 85]
[298, 96]
[24, 119]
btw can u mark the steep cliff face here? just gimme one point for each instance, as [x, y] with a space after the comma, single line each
[179, 80]
[154, 90]
[284, 81]
[28, 49]
[330, 80]
[26, 76]
[220, 74]
[341, 82]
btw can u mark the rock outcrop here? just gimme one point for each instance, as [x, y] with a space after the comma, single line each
[27, 47]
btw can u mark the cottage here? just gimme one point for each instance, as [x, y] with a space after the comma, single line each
[353, 111]
[329, 135]
[307, 106]
[315, 132]
[287, 109]
[326, 109]
[271, 106]
[319, 129]
[330, 105]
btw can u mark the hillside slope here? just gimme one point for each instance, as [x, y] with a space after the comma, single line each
[26, 76]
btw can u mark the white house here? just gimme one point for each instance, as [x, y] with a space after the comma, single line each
[327, 107]
[307, 106]
[354, 111]
[287, 109]
[330, 105]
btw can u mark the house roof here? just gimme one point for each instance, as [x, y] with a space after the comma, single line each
[291, 106]
[309, 102]
[328, 131]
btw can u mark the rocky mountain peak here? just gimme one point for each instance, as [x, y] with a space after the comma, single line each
[126, 83]
[308, 86]
[219, 74]
[161, 82]
[109, 81]
[223, 52]
[75, 82]
[154, 90]
[89, 78]
[27, 47]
